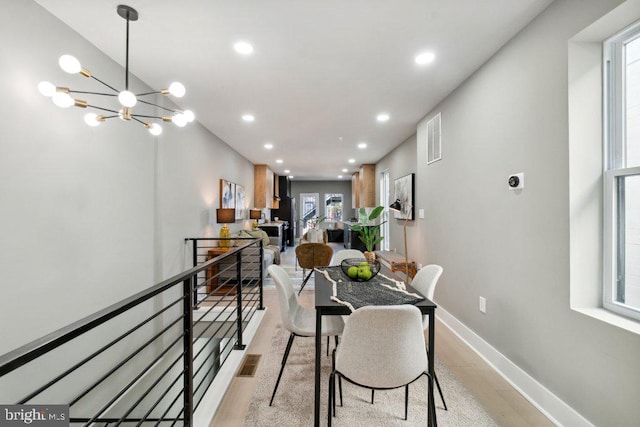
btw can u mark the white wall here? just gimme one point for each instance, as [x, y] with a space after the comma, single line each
[513, 247]
[89, 216]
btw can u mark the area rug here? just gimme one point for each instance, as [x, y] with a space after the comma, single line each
[293, 404]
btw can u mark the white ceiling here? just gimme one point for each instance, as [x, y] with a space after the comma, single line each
[321, 69]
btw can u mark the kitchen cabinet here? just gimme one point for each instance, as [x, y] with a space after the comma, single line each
[262, 187]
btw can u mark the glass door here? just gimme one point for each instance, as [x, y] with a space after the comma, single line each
[309, 209]
[384, 201]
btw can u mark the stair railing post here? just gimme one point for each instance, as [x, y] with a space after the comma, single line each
[188, 350]
[239, 344]
[195, 262]
[261, 307]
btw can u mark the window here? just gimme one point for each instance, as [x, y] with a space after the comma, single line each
[333, 206]
[622, 173]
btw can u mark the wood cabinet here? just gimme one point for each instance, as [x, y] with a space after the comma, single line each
[262, 187]
[355, 190]
[367, 186]
[363, 187]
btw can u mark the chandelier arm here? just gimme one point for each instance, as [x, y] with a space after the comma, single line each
[103, 109]
[146, 116]
[107, 85]
[156, 105]
[155, 92]
[92, 93]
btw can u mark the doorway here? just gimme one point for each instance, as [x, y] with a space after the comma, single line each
[309, 209]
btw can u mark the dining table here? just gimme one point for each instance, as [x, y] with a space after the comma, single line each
[338, 295]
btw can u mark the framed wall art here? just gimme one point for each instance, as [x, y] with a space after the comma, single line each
[404, 192]
[240, 202]
[227, 194]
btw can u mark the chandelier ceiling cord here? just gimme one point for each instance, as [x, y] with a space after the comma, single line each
[61, 96]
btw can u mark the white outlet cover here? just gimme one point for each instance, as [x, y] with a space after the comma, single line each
[421, 213]
[482, 305]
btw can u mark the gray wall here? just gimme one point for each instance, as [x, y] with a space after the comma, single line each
[89, 215]
[513, 247]
[400, 162]
[323, 187]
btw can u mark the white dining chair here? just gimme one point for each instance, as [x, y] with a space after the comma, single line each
[340, 256]
[299, 321]
[382, 348]
[425, 282]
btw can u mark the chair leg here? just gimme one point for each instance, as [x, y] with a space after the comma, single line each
[284, 361]
[340, 388]
[435, 377]
[372, 393]
[406, 401]
[331, 393]
[304, 282]
[327, 345]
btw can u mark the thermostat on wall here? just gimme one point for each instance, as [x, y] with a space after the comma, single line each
[516, 181]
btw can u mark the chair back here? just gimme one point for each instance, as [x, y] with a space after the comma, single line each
[425, 282]
[340, 256]
[306, 238]
[312, 255]
[383, 346]
[286, 296]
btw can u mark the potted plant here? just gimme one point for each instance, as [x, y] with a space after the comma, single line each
[368, 232]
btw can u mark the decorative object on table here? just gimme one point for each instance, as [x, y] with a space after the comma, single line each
[404, 192]
[227, 194]
[225, 216]
[368, 232]
[255, 215]
[127, 100]
[399, 207]
[360, 270]
[240, 202]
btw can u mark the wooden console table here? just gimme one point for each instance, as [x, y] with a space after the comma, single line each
[213, 271]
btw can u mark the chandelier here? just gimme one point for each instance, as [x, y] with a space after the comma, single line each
[62, 96]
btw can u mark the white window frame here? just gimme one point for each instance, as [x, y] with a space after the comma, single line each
[614, 167]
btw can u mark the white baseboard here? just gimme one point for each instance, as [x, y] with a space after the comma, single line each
[207, 408]
[548, 403]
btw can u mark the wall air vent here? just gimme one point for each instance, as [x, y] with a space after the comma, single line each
[434, 147]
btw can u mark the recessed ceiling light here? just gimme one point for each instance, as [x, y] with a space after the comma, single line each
[243, 48]
[268, 146]
[290, 176]
[278, 160]
[382, 117]
[424, 58]
[287, 171]
[352, 160]
[345, 170]
[248, 117]
[362, 145]
[340, 176]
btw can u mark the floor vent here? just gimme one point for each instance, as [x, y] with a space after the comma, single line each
[249, 365]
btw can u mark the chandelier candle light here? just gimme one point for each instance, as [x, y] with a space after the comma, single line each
[61, 96]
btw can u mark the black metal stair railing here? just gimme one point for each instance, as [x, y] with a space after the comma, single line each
[150, 358]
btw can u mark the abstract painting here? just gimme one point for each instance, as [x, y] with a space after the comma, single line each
[227, 194]
[404, 191]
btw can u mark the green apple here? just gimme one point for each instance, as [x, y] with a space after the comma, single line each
[364, 273]
[352, 272]
[363, 263]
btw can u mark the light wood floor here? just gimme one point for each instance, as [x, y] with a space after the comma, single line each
[501, 401]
